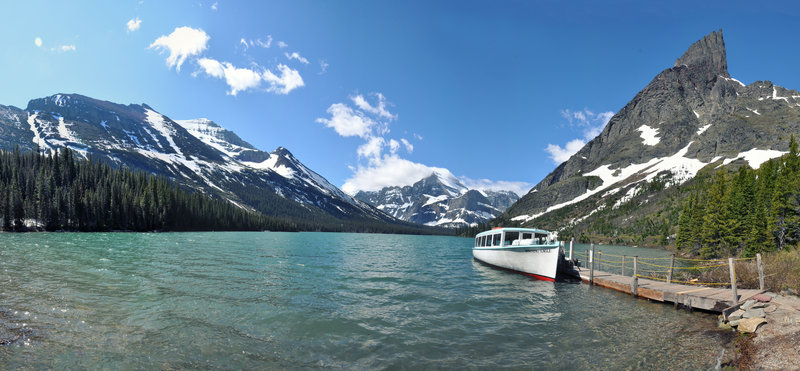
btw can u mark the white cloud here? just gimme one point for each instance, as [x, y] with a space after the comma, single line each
[409, 146]
[67, 48]
[379, 110]
[296, 56]
[134, 24]
[323, 66]
[289, 80]
[214, 6]
[520, 188]
[38, 42]
[244, 43]
[371, 149]
[348, 122]
[417, 136]
[393, 146]
[390, 170]
[242, 79]
[559, 155]
[182, 43]
[282, 44]
[590, 123]
[238, 79]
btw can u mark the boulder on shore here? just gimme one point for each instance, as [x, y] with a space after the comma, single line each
[750, 324]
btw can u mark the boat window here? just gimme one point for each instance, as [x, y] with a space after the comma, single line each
[496, 240]
[540, 238]
[512, 238]
[477, 241]
[527, 235]
[484, 239]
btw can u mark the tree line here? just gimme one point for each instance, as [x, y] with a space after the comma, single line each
[745, 213]
[55, 191]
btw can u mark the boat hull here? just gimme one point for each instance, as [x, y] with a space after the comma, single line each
[537, 262]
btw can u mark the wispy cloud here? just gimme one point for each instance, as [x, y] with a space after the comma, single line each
[38, 42]
[134, 24]
[296, 56]
[288, 80]
[214, 6]
[591, 125]
[243, 79]
[182, 43]
[67, 48]
[323, 66]
[282, 44]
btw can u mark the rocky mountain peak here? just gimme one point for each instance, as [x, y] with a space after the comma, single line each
[707, 53]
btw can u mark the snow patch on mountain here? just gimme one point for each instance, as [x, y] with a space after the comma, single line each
[756, 157]
[649, 135]
[271, 164]
[682, 169]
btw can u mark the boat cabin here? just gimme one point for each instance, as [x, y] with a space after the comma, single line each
[501, 237]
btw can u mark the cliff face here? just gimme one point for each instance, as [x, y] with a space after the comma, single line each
[689, 116]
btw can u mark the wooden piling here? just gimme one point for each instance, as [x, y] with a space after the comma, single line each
[623, 265]
[671, 267]
[760, 272]
[591, 265]
[600, 260]
[732, 270]
[635, 280]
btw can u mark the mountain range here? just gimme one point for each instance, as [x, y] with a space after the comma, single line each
[691, 118]
[440, 200]
[197, 154]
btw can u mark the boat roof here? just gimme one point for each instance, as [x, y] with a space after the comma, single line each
[506, 229]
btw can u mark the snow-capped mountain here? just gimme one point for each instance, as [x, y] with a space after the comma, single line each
[439, 200]
[691, 116]
[198, 154]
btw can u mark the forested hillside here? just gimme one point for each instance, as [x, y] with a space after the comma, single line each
[746, 213]
[43, 192]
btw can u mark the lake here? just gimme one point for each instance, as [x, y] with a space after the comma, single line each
[317, 300]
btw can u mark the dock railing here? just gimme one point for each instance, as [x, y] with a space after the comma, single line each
[679, 270]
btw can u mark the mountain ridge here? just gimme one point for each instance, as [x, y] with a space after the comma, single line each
[197, 154]
[689, 117]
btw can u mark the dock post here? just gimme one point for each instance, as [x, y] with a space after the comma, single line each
[570, 247]
[635, 280]
[623, 265]
[760, 273]
[733, 282]
[600, 260]
[591, 265]
[671, 267]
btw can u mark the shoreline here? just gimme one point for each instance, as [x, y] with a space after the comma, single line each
[774, 344]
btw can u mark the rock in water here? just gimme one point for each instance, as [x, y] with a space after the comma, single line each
[751, 324]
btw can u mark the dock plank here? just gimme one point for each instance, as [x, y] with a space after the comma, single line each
[710, 298]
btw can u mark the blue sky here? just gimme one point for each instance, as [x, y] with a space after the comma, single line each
[371, 93]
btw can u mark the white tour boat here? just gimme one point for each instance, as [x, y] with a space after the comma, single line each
[533, 252]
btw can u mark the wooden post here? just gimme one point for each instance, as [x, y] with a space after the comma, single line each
[671, 267]
[570, 247]
[623, 265]
[600, 260]
[591, 265]
[635, 280]
[733, 282]
[760, 273]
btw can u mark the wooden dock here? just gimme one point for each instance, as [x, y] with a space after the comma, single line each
[714, 299]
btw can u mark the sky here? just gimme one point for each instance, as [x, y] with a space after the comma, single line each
[376, 93]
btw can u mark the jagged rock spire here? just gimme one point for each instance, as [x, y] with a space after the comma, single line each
[707, 53]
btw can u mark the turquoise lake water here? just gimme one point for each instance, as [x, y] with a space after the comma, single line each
[317, 300]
